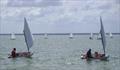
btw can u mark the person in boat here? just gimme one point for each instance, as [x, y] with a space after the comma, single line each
[98, 55]
[102, 55]
[13, 53]
[21, 54]
[89, 55]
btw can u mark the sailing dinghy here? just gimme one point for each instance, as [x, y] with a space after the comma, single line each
[99, 36]
[13, 36]
[103, 39]
[71, 35]
[28, 40]
[91, 36]
[110, 34]
[46, 36]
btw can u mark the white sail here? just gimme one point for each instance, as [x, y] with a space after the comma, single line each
[13, 36]
[110, 34]
[71, 35]
[45, 35]
[99, 36]
[33, 37]
[102, 32]
[27, 35]
[91, 36]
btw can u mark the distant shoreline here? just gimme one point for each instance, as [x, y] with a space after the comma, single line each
[60, 33]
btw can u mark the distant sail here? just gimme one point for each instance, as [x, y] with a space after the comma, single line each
[102, 32]
[110, 34]
[27, 35]
[13, 36]
[33, 37]
[71, 35]
[46, 36]
[99, 36]
[91, 36]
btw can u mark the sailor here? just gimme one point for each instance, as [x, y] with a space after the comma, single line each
[13, 53]
[96, 55]
[89, 55]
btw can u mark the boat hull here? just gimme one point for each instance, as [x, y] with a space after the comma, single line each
[22, 54]
[83, 56]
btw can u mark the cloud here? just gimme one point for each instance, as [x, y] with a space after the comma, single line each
[33, 3]
[65, 14]
[3, 2]
[117, 1]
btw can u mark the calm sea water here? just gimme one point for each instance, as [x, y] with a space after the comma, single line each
[58, 52]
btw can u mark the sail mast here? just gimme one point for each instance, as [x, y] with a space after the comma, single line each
[27, 35]
[103, 36]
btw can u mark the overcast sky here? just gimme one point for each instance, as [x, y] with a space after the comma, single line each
[56, 16]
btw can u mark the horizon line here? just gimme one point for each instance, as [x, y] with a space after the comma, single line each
[58, 33]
